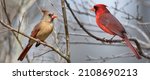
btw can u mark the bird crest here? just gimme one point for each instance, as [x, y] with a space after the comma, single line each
[100, 5]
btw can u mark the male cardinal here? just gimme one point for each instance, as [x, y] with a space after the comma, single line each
[41, 31]
[108, 23]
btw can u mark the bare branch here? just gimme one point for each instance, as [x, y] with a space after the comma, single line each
[105, 59]
[105, 40]
[66, 28]
[129, 16]
[54, 49]
[9, 22]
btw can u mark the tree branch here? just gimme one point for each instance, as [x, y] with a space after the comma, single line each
[54, 49]
[9, 22]
[105, 40]
[66, 28]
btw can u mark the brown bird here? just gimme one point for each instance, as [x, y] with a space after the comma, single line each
[41, 31]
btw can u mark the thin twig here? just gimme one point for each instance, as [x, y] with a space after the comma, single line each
[40, 55]
[105, 59]
[9, 22]
[129, 16]
[66, 28]
[20, 23]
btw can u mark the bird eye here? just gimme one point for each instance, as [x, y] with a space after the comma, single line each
[49, 15]
[95, 7]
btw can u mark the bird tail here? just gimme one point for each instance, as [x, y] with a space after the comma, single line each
[131, 47]
[24, 52]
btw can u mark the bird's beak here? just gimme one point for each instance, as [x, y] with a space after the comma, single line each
[92, 9]
[54, 16]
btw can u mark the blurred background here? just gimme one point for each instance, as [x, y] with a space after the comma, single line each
[23, 15]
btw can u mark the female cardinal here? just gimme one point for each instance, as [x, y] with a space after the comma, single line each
[108, 23]
[41, 31]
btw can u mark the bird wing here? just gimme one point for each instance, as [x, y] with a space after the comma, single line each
[35, 30]
[112, 24]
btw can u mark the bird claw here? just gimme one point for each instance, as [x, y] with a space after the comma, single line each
[44, 43]
[108, 41]
[112, 38]
[38, 41]
[104, 40]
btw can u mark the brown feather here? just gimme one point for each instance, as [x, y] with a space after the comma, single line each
[41, 31]
[24, 52]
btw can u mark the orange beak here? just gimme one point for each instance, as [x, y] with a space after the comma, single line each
[92, 9]
[54, 16]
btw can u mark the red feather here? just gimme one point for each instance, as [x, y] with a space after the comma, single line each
[108, 23]
[131, 47]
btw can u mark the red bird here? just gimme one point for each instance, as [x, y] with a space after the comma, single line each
[108, 23]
